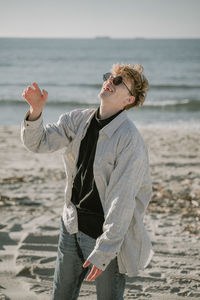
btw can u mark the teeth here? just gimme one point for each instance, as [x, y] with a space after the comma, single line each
[108, 89]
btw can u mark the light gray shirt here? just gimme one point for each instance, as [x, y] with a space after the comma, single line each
[122, 176]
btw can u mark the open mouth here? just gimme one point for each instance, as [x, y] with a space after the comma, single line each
[107, 88]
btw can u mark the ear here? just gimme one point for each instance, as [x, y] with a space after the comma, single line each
[131, 100]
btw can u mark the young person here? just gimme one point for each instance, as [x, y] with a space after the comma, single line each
[108, 185]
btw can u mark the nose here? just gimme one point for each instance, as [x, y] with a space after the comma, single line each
[110, 79]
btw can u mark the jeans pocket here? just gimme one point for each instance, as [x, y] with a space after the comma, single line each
[67, 243]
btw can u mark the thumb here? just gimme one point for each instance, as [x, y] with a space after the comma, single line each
[86, 264]
[45, 94]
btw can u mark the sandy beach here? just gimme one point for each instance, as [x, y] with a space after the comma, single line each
[31, 201]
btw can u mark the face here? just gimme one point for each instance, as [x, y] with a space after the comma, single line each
[116, 95]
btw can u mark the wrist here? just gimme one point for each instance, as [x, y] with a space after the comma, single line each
[34, 114]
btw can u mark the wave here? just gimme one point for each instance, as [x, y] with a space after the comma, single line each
[49, 103]
[174, 86]
[5, 64]
[170, 102]
[149, 104]
[53, 84]
[184, 105]
[99, 85]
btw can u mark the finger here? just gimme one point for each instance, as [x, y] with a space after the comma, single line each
[36, 86]
[97, 275]
[86, 264]
[90, 274]
[30, 89]
[25, 93]
[95, 272]
[94, 275]
[45, 94]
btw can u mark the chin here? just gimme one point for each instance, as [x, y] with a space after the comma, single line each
[103, 95]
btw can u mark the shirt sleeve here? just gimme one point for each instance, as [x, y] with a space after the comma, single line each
[39, 138]
[124, 184]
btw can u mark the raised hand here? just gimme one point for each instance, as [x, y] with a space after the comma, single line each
[36, 99]
[34, 96]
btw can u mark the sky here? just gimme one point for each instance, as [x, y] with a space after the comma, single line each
[91, 18]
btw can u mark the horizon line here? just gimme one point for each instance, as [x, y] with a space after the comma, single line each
[97, 37]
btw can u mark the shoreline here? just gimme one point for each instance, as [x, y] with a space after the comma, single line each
[143, 117]
[31, 184]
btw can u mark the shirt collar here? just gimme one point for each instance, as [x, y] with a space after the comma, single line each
[111, 127]
[114, 124]
[103, 122]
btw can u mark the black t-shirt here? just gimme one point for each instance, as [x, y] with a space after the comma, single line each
[85, 195]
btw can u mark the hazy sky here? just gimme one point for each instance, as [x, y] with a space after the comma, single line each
[90, 18]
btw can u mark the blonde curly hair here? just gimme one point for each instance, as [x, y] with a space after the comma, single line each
[139, 83]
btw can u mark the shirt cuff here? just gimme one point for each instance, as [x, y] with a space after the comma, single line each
[32, 124]
[99, 259]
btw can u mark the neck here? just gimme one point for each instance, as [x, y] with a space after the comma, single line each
[106, 112]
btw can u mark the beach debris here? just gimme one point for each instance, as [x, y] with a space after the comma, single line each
[15, 201]
[185, 201]
[27, 271]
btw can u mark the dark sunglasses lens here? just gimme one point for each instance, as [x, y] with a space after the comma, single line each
[106, 76]
[117, 80]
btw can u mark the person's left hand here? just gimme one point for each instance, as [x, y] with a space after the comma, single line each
[94, 273]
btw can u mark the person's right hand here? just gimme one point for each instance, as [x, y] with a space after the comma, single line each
[35, 97]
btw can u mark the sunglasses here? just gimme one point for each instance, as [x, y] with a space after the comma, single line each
[116, 80]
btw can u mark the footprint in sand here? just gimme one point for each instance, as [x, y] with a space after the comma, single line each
[36, 256]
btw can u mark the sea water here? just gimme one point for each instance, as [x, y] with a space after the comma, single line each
[71, 71]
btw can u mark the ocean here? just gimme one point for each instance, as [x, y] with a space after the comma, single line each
[71, 71]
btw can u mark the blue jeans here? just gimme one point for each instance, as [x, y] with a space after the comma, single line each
[73, 250]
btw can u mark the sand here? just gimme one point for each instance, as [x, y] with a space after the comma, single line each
[31, 201]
